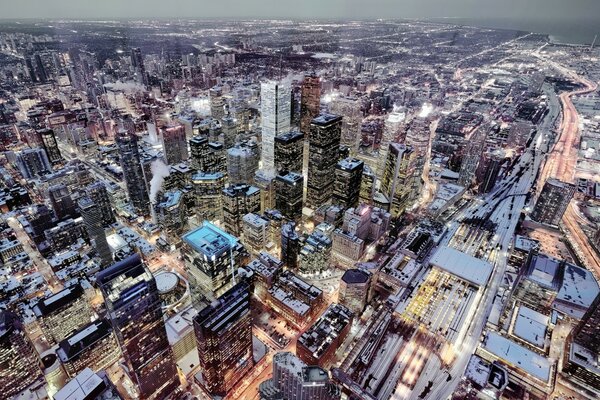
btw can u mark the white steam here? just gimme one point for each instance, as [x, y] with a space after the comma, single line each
[159, 172]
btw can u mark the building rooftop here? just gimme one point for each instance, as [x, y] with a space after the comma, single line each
[82, 339]
[319, 337]
[464, 266]
[350, 163]
[209, 239]
[326, 119]
[355, 276]
[290, 137]
[58, 300]
[531, 326]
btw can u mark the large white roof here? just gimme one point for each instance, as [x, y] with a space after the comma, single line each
[464, 266]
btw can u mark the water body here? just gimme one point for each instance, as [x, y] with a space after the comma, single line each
[560, 31]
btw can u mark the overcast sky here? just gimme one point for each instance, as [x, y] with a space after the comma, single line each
[540, 10]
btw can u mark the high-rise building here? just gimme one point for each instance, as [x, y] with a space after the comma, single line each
[367, 185]
[92, 218]
[62, 203]
[171, 215]
[265, 182]
[324, 145]
[583, 351]
[217, 102]
[41, 69]
[397, 175]
[132, 171]
[346, 249]
[93, 346]
[134, 306]
[208, 157]
[316, 252]
[350, 109]
[391, 133]
[63, 313]
[310, 102]
[290, 245]
[354, 290]
[552, 202]
[348, 178]
[212, 257]
[239, 200]
[32, 163]
[21, 366]
[224, 340]
[293, 379]
[99, 195]
[489, 168]
[288, 195]
[289, 152]
[48, 140]
[230, 131]
[137, 62]
[242, 163]
[275, 109]
[208, 198]
[256, 234]
[174, 143]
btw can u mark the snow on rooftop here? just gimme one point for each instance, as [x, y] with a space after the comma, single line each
[579, 287]
[464, 266]
[531, 326]
[518, 356]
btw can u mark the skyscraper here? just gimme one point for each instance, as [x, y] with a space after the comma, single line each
[324, 145]
[242, 163]
[92, 218]
[137, 62]
[174, 143]
[395, 182]
[348, 177]
[354, 290]
[293, 379]
[134, 306]
[288, 195]
[275, 108]
[61, 201]
[310, 102]
[217, 102]
[211, 257]
[32, 162]
[99, 195]
[239, 200]
[349, 109]
[208, 157]
[21, 366]
[224, 339]
[256, 233]
[552, 202]
[208, 198]
[290, 245]
[132, 171]
[230, 132]
[289, 152]
[48, 140]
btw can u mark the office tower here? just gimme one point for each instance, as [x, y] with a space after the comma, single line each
[323, 156]
[288, 195]
[583, 351]
[256, 233]
[552, 202]
[293, 379]
[348, 178]
[212, 257]
[470, 159]
[346, 249]
[99, 195]
[217, 102]
[30, 70]
[174, 143]
[92, 218]
[367, 222]
[132, 171]
[315, 253]
[133, 304]
[208, 157]
[350, 110]
[242, 163]
[32, 163]
[397, 175]
[275, 109]
[290, 245]
[21, 366]
[63, 313]
[89, 385]
[93, 346]
[40, 219]
[230, 131]
[265, 182]
[367, 185]
[318, 344]
[224, 340]
[137, 62]
[239, 200]
[171, 215]
[310, 101]
[48, 140]
[289, 152]
[208, 200]
[41, 70]
[394, 124]
[61, 201]
[354, 290]
[489, 168]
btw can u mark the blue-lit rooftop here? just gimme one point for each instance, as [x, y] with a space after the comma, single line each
[209, 239]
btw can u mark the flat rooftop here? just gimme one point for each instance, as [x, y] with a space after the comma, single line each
[209, 239]
[462, 265]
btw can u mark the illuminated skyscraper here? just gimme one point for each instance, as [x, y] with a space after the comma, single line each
[348, 177]
[134, 306]
[132, 171]
[137, 62]
[174, 143]
[62, 203]
[208, 157]
[290, 245]
[275, 108]
[310, 102]
[289, 152]
[397, 175]
[553, 202]
[48, 140]
[288, 195]
[217, 102]
[224, 340]
[20, 365]
[92, 218]
[324, 146]
[99, 195]
[239, 200]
